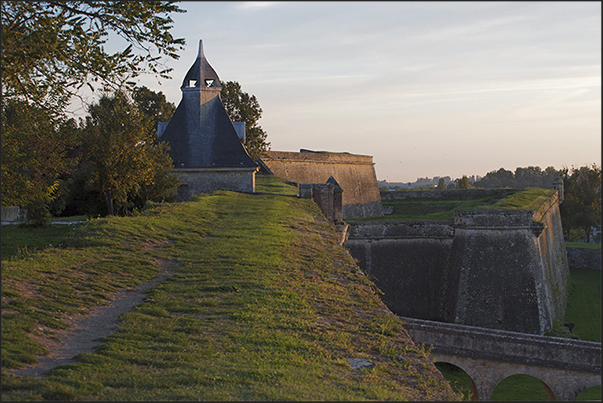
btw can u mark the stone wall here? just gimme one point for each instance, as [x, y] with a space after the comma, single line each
[494, 269]
[584, 259]
[205, 180]
[13, 213]
[354, 173]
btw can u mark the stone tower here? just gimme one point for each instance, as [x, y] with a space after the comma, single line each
[207, 151]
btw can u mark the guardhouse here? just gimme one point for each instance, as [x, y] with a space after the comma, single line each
[207, 148]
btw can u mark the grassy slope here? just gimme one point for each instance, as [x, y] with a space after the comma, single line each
[262, 304]
[443, 210]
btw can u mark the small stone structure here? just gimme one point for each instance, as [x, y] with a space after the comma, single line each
[327, 196]
[584, 259]
[13, 214]
[497, 269]
[354, 173]
[206, 146]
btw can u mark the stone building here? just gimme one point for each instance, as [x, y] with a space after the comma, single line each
[206, 146]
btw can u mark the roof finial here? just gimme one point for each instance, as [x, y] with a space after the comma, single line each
[200, 49]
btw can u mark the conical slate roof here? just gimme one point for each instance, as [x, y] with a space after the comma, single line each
[201, 72]
[201, 135]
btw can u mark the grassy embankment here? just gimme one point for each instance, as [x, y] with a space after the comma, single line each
[443, 210]
[261, 303]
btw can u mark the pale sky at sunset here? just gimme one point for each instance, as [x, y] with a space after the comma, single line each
[426, 88]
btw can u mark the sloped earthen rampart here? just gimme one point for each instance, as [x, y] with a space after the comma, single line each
[354, 173]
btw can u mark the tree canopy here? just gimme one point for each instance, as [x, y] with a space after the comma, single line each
[50, 49]
[581, 207]
[242, 107]
[122, 157]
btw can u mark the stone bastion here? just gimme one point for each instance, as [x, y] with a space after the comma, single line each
[499, 269]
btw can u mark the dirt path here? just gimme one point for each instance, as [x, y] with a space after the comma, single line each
[85, 331]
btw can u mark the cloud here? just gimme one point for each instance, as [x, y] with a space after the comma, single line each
[256, 5]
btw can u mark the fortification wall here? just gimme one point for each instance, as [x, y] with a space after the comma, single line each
[584, 259]
[494, 269]
[407, 262]
[354, 173]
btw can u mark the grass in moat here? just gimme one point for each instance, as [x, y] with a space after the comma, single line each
[262, 303]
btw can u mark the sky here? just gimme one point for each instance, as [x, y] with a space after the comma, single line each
[426, 88]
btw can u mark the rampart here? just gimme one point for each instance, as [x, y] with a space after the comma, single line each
[455, 194]
[354, 173]
[500, 269]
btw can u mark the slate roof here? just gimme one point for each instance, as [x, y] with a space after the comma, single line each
[202, 135]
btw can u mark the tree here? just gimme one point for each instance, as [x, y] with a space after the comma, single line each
[50, 50]
[154, 105]
[122, 157]
[581, 207]
[441, 184]
[242, 107]
[463, 183]
[34, 150]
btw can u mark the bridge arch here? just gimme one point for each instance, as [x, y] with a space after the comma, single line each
[450, 364]
[532, 388]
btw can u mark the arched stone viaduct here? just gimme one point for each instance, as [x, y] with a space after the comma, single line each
[564, 366]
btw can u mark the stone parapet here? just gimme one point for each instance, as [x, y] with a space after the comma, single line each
[501, 345]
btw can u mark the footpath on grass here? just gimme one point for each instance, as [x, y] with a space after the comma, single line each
[253, 299]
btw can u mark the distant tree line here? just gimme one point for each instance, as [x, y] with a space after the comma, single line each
[580, 210]
[522, 177]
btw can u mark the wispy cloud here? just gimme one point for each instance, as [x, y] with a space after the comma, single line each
[255, 5]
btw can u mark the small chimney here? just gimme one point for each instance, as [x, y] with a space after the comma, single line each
[558, 185]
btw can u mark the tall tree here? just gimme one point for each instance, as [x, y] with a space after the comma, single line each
[122, 157]
[581, 207]
[34, 157]
[463, 183]
[242, 107]
[441, 184]
[154, 105]
[50, 50]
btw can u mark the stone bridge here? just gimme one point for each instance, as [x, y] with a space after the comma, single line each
[564, 366]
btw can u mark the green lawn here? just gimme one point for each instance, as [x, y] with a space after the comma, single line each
[262, 303]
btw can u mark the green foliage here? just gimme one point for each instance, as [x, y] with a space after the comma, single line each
[153, 105]
[581, 207]
[441, 184]
[523, 177]
[50, 49]
[35, 145]
[463, 183]
[123, 161]
[242, 107]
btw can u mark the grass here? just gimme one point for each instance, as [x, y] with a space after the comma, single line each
[22, 240]
[443, 210]
[262, 303]
[583, 245]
